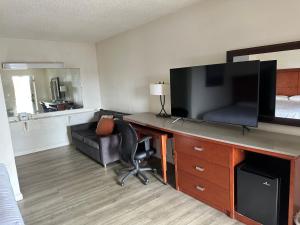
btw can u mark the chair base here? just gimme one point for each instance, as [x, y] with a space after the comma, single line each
[138, 172]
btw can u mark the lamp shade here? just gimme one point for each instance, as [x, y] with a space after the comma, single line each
[159, 89]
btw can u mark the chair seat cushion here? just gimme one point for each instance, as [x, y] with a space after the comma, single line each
[92, 141]
[142, 154]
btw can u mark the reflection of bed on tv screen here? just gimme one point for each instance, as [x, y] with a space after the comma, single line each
[225, 93]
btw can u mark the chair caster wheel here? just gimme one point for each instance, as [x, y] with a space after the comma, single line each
[121, 183]
[146, 182]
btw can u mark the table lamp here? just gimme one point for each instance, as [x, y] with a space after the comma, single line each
[162, 90]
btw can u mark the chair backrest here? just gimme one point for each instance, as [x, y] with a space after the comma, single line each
[129, 140]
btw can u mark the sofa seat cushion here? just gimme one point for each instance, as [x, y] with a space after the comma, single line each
[92, 141]
[80, 134]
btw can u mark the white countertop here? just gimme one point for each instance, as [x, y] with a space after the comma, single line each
[52, 114]
[268, 141]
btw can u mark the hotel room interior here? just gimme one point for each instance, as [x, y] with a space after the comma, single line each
[149, 112]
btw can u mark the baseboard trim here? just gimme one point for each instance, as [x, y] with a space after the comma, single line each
[42, 149]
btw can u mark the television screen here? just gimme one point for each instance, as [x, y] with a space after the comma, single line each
[224, 93]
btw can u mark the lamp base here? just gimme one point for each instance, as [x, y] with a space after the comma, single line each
[163, 115]
[163, 112]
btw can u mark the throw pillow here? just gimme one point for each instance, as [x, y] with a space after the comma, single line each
[105, 126]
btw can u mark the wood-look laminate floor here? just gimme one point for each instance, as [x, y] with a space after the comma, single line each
[62, 186]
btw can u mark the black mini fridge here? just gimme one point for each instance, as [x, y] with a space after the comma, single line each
[260, 195]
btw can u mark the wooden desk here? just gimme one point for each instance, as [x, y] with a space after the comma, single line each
[218, 149]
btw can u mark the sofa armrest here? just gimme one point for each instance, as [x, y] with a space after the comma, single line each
[109, 148]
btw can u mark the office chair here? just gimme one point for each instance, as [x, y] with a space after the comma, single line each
[133, 151]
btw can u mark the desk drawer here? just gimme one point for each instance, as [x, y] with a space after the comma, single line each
[211, 172]
[204, 190]
[210, 151]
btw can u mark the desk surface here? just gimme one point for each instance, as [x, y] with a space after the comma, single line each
[267, 141]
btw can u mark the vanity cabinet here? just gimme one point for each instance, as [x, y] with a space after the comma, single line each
[46, 131]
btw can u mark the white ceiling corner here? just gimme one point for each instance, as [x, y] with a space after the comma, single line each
[80, 20]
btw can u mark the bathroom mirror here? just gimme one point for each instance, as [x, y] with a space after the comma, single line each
[35, 91]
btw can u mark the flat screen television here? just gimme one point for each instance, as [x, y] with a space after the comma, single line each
[222, 93]
[267, 90]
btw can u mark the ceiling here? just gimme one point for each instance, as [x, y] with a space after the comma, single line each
[80, 20]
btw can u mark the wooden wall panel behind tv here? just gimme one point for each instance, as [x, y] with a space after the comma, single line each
[288, 82]
[299, 83]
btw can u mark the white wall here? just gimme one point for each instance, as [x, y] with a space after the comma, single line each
[200, 34]
[6, 149]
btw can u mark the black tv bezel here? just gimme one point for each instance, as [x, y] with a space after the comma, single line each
[217, 122]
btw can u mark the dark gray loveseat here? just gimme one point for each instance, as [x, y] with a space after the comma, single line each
[102, 149]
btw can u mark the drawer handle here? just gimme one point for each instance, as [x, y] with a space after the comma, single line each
[199, 149]
[199, 168]
[199, 188]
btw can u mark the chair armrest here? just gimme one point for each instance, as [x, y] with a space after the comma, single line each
[147, 138]
[146, 141]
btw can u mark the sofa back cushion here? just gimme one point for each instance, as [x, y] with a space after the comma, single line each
[105, 126]
[115, 114]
